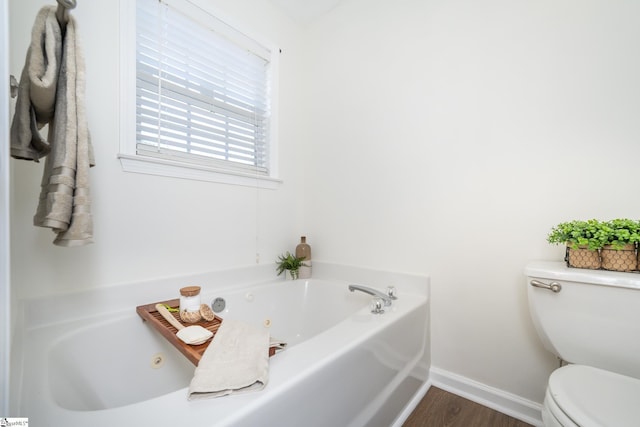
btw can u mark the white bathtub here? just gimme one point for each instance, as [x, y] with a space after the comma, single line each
[344, 366]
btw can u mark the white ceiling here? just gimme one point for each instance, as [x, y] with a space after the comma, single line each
[305, 11]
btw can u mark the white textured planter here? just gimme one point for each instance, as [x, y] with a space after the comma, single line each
[291, 275]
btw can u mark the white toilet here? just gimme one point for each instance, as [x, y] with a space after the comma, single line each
[591, 320]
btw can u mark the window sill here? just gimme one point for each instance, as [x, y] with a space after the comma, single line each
[162, 167]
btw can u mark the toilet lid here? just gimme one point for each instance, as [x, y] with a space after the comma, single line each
[594, 397]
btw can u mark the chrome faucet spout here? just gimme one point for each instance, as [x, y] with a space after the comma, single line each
[376, 293]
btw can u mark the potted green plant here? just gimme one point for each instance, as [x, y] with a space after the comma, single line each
[620, 238]
[290, 264]
[583, 240]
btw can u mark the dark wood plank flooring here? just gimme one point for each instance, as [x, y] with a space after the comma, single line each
[443, 409]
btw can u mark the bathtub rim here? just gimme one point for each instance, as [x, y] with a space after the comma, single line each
[46, 309]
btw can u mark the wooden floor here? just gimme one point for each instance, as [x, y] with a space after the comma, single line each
[442, 409]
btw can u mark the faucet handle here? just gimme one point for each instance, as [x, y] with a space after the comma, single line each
[391, 292]
[376, 305]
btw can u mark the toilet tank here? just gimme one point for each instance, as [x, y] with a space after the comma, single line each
[593, 320]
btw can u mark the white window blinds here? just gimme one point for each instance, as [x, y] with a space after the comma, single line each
[202, 89]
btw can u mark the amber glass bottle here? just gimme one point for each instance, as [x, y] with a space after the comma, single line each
[303, 250]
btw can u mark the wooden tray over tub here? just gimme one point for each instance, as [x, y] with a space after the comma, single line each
[194, 353]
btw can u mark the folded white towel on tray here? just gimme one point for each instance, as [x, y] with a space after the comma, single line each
[236, 361]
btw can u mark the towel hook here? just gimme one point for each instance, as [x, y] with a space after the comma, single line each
[62, 12]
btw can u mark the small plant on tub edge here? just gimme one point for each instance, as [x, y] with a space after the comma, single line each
[291, 263]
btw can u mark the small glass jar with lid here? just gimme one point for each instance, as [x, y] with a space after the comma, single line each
[190, 298]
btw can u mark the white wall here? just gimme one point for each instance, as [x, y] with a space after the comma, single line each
[148, 226]
[448, 137]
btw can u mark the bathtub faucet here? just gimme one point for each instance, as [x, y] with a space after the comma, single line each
[388, 299]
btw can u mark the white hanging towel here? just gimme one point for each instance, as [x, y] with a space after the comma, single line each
[52, 92]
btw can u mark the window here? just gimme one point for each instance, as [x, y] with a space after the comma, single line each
[203, 96]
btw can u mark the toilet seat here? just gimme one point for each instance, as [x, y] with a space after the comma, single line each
[579, 395]
[552, 415]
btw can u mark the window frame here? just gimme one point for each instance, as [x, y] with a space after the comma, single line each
[131, 161]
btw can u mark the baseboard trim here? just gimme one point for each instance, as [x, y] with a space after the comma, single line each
[499, 400]
[413, 403]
